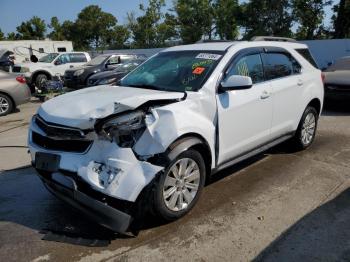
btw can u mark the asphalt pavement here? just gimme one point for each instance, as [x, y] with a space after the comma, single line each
[278, 206]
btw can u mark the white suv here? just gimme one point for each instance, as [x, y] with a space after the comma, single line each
[50, 65]
[186, 113]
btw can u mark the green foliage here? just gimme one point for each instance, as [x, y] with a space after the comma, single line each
[267, 17]
[57, 32]
[94, 26]
[309, 14]
[2, 37]
[34, 28]
[227, 14]
[195, 19]
[341, 19]
[118, 37]
[152, 28]
[12, 36]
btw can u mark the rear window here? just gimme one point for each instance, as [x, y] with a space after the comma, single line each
[307, 55]
[77, 58]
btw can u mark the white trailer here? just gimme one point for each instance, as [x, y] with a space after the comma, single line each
[23, 49]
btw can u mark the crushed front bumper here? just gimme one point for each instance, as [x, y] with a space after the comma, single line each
[101, 212]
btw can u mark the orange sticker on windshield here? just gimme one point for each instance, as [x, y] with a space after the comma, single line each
[198, 70]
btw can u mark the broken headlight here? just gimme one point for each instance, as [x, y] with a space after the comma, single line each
[125, 129]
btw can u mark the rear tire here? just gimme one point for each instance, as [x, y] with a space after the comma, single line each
[306, 132]
[178, 188]
[6, 105]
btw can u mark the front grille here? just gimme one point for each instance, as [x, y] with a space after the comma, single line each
[74, 146]
[16, 69]
[58, 131]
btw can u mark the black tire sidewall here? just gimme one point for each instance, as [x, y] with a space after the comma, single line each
[10, 108]
[158, 203]
[298, 136]
[38, 80]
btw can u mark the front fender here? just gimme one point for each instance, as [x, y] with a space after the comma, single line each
[169, 125]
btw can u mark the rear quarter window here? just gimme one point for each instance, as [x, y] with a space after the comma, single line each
[77, 58]
[304, 52]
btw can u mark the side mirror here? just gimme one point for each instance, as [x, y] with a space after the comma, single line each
[236, 82]
[58, 62]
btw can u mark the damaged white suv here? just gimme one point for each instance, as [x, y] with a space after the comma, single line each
[186, 113]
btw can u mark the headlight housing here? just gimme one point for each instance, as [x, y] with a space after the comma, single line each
[107, 81]
[24, 69]
[125, 129]
[78, 72]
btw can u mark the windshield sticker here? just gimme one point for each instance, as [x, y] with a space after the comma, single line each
[202, 63]
[208, 56]
[198, 70]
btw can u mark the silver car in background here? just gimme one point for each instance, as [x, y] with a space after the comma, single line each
[13, 92]
[337, 79]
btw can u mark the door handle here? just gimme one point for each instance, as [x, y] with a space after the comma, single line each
[265, 95]
[300, 82]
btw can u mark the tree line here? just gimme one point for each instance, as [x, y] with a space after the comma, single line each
[188, 21]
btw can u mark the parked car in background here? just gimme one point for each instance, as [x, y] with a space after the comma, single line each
[48, 66]
[78, 77]
[112, 77]
[6, 60]
[337, 79]
[149, 144]
[13, 92]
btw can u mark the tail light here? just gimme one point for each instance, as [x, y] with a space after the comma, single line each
[323, 77]
[21, 79]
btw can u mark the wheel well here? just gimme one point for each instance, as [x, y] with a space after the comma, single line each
[13, 101]
[35, 75]
[203, 148]
[315, 103]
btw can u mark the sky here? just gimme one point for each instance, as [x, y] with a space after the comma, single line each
[12, 13]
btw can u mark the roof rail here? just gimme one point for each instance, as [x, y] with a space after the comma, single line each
[273, 38]
[213, 41]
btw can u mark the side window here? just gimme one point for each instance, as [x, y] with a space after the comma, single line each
[296, 65]
[61, 49]
[277, 65]
[114, 60]
[77, 58]
[126, 58]
[63, 59]
[250, 65]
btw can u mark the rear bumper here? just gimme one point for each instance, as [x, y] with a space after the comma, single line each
[98, 211]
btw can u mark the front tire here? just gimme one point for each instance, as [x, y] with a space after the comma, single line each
[178, 188]
[6, 105]
[40, 81]
[306, 132]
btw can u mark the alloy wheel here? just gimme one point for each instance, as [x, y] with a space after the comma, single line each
[181, 184]
[308, 129]
[4, 105]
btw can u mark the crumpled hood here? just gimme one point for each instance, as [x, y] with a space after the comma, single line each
[81, 108]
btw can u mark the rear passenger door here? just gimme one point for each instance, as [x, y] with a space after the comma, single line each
[244, 116]
[284, 73]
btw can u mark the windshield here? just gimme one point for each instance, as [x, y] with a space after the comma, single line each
[125, 67]
[174, 71]
[48, 58]
[97, 60]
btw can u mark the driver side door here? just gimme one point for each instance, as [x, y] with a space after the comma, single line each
[244, 116]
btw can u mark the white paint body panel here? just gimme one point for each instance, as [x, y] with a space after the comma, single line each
[231, 123]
